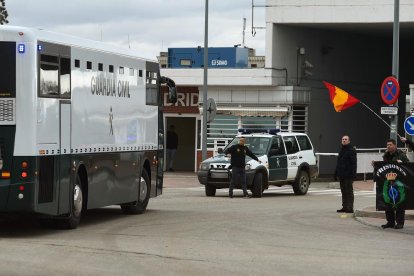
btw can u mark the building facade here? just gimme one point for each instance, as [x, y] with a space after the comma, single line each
[246, 94]
[344, 42]
[348, 43]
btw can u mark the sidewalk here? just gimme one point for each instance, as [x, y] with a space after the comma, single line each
[370, 216]
[367, 215]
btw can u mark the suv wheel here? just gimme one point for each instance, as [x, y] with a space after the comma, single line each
[257, 189]
[210, 190]
[301, 185]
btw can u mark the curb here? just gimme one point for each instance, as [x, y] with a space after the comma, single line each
[378, 214]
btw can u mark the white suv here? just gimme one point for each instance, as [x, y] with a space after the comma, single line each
[287, 158]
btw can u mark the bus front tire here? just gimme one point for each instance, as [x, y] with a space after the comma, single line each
[72, 221]
[139, 206]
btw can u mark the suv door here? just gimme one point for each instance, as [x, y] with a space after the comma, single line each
[306, 149]
[277, 160]
[293, 154]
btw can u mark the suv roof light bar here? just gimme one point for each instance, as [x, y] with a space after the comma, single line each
[271, 131]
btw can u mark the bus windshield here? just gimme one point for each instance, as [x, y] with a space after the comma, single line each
[258, 145]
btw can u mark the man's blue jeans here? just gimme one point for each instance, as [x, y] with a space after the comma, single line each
[170, 157]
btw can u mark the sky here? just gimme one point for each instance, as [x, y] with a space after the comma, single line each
[146, 26]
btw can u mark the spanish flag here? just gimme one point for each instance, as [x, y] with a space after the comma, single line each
[340, 98]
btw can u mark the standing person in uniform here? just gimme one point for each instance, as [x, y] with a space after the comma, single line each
[395, 216]
[172, 145]
[346, 172]
[238, 154]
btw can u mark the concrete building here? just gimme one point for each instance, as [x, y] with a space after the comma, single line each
[345, 42]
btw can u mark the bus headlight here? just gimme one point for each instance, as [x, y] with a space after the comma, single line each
[248, 167]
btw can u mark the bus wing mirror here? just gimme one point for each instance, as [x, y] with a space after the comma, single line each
[172, 94]
[172, 89]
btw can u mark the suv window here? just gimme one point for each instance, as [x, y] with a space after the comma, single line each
[291, 144]
[257, 145]
[278, 145]
[304, 143]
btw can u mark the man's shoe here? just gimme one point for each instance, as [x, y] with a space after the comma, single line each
[341, 210]
[247, 196]
[399, 226]
[230, 196]
[349, 211]
[388, 225]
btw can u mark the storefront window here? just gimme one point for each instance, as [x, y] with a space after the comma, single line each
[259, 122]
[221, 130]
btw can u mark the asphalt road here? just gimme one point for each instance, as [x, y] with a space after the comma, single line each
[185, 233]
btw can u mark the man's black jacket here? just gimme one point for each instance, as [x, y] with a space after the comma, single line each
[238, 155]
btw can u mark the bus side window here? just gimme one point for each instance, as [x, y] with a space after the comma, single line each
[49, 76]
[65, 78]
[152, 89]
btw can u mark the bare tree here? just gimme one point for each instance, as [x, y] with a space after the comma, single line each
[3, 13]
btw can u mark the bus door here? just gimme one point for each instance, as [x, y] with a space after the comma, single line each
[64, 157]
[53, 128]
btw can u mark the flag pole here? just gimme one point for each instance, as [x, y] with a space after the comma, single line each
[380, 118]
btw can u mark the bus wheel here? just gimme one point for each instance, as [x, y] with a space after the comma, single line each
[257, 188]
[301, 185]
[139, 206]
[72, 221]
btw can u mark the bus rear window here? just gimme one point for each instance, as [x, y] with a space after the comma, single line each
[7, 69]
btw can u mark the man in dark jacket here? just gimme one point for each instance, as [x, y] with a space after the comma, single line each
[392, 214]
[409, 143]
[172, 145]
[346, 172]
[238, 163]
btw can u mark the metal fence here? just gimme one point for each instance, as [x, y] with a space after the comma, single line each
[364, 159]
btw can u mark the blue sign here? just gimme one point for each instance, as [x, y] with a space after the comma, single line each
[409, 125]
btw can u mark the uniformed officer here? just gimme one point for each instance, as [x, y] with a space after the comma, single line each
[238, 154]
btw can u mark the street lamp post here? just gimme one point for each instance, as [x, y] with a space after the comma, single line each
[395, 60]
[204, 138]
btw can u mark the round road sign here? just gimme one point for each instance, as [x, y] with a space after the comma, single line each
[390, 90]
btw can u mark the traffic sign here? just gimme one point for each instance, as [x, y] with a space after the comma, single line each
[409, 125]
[390, 90]
[389, 110]
[211, 109]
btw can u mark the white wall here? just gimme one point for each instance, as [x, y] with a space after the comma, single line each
[336, 11]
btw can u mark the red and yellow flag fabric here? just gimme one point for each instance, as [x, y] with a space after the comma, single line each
[340, 98]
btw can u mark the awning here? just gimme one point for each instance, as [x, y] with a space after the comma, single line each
[278, 111]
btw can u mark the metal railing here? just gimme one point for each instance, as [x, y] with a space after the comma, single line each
[364, 158]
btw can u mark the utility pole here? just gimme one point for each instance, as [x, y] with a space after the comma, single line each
[395, 60]
[244, 30]
[204, 138]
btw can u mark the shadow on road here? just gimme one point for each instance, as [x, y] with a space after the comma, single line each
[29, 226]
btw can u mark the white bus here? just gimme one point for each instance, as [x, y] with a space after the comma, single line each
[81, 126]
